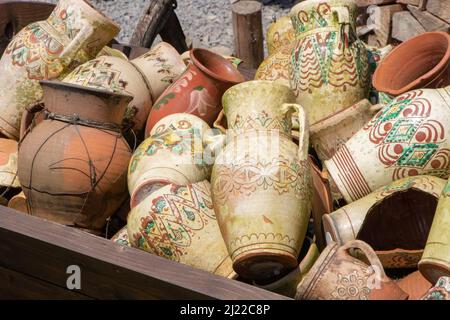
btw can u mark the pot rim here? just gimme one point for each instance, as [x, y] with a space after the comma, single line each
[304, 4]
[445, 61]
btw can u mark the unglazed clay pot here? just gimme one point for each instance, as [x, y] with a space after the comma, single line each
[403, 211]
[337, 275]
[276, 66]
[280, 33]
[261, 181]
[406, 138]
[415, 285]
[420, 62]
[8, 163]
[178, 223]
[199, 89]
[73, 165]
[74, 33]
[435, 261]
[19, 203]
[121, 237]
[172, 154]
[330, 69]
[441, 291]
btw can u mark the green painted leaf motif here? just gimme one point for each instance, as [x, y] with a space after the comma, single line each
[164, 100]
[199, 88]
[167, 251]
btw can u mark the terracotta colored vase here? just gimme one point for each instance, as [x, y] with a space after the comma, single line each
[276, 66]
[73, 165]
[420, 62]
[404, 210]
[199, 89]
[330, 70]
[408, 137]
[261, 181]
[435, 262]
[178, 223]
[415, 285]
[441, 291]
[172, 154]
[337, 275]
[121, 237]
[8, 163]
[74, 33]
[280, 33]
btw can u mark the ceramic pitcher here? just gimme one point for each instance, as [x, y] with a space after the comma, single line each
[178, 223]
[402, 210]
[73, 34]
[73, 165]
[435, 261]
[408, 137]
[329, 70]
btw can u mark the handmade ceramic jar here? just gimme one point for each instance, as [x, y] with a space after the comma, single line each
[198, 90]
[280, 33]
[329, 70]
[174, 153]
[408, 137]
[178, 223]
[73, 165]
[337, 275]
[441, 291]
[276, 66]
[403, 210]
[415, 285]
[420, 62]
[73, 34]
[121, 237]
[435, 261]
[8, 163]
[19, 203]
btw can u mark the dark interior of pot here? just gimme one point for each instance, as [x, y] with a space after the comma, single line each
[410, 63]
[400, 221]
[217, 66]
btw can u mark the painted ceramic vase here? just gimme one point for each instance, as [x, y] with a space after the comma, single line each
[172, 154]
[435, 261]
[408, 137]
[73, 165]
[178, 223]
[276, 66]
[121, 237]
[8, 163]
[420, 62]
[261, 180]
[280, 33]
[404, 210]
[73, 34]
[198, 90]
[441, 291]
[337, 275]
[330, 69]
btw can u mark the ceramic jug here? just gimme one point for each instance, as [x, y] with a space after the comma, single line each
[404, 210]
[121, 237]
[276, 66]
[435, 261]
[261, 182]
[329, 70]
[73, 34]
[178, 223]
[198, 90]
[144, 78]
[73, 164]
[19, 203]
[441, 291]
[280, 33]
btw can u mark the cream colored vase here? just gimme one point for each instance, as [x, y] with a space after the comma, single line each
[8, 163]
[395, 220]
[330, 69]
[74, 33]
[435, 262]
[410, 136]
[144, 78]
[178, 223]
[280, 33]
[261, 182]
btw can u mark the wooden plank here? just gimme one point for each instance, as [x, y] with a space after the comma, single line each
[440, 8]
[172, 33]
[429, 21]
[410, 2]
[405, 26]
[108, 270]
[380, 19]
[15, 285]
[422, 5]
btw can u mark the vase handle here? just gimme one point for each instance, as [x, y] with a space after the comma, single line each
[213, 143]
[368, 252]
[78, 42]
[343, 17]
[303, 130]
[217, 124]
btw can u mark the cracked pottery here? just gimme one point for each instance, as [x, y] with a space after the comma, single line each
[179, 223]
[261, 182]
[435, 261]
[74, 33]
[144, 78]
[403, 210]
[337, 275]
[329, 70]
[198, 90]
[408, 137]
[73, 164]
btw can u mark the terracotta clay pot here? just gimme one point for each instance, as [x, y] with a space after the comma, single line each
[404, 210]
[415, 285]
[8, 163]
[280, 33]
[74, 33]
[121, 237]
[178, 223]
[337, 275]
[406, 138]
[420, 62]
[73, 165]
[435, 262]
[198, 90]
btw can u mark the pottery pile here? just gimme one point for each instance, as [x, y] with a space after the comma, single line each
[302, 181]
